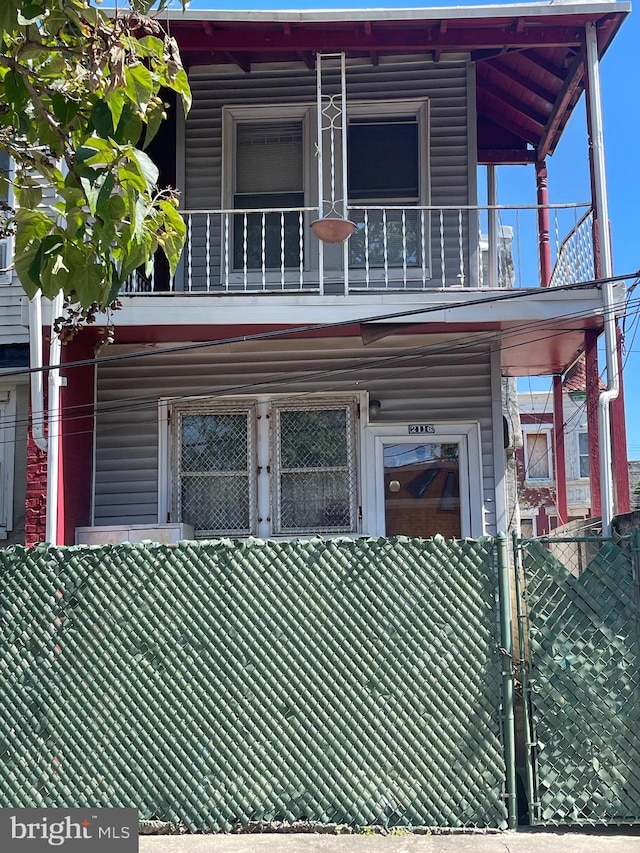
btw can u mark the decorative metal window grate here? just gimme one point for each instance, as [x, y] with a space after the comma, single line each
[215, 473]
[314, 486]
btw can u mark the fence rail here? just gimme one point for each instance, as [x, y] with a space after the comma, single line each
[394, 247]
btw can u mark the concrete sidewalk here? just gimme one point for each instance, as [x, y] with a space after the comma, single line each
[602, 840]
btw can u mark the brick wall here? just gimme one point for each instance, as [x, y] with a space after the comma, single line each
[36, 502]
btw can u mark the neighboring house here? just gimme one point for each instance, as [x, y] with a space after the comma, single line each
[537, 487]
[634, 484]
[14, 356]
[284, 385]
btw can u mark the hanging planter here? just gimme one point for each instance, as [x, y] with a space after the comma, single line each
[333, 229]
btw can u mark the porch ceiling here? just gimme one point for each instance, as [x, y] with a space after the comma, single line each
[530, 59]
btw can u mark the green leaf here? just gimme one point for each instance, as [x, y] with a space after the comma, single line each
[102, 119]
[16, 92]
[115, 101]
[30, 14]
[139, 84]
[147, 167]
[31, 225]
[64, 109]
[181, 86]
[29, 195]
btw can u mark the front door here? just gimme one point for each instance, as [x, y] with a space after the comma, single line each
[427, 480]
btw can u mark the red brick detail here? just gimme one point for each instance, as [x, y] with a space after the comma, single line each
[36, 502]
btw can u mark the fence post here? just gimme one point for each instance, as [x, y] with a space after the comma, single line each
[506, 648]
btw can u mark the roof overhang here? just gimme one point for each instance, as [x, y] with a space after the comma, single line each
[530, 59]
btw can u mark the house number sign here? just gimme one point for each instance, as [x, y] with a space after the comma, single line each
[421, 429]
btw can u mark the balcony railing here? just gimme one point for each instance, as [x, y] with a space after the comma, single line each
[394, 248]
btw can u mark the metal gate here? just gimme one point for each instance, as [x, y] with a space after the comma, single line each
[578, 608]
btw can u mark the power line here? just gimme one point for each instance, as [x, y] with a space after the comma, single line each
[132, 404]
[297, 330]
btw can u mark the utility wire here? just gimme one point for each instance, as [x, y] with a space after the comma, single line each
[132, 404]
[297, 330]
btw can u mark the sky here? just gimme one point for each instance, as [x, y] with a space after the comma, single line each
[569, 170]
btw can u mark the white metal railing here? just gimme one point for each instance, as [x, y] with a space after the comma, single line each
[575, 257]
[394, 247]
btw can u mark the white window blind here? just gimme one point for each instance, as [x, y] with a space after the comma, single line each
[269, 157]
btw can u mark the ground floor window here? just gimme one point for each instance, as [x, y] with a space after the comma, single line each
[281, 467]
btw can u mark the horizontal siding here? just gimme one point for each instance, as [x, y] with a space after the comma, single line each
[11, 329]
[419, 385]
[444, 83]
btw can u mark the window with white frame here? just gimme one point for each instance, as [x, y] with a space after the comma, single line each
[279, 467]
[388, 179]
[7, 456]
[267, 169]
[583, 454]
[537, 455]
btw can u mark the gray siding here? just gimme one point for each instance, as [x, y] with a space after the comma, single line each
[444, 83]
[11, 329]
[417, 380]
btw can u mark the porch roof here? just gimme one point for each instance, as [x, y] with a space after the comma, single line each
[530, 59]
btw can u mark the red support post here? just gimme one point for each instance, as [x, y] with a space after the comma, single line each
[544, 244]
[559, 451]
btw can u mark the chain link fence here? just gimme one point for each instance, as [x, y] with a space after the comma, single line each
[580, 649]
[222, 684]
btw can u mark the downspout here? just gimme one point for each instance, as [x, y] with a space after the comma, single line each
[602, 215]
[35, 362]
[51, 444]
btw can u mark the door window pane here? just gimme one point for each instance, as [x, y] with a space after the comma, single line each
[422, 490]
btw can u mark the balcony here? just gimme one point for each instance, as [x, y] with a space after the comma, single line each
[394, 248]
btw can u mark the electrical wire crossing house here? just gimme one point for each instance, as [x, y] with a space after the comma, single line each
[328, 358]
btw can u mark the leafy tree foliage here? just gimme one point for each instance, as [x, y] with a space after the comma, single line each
[80, 99]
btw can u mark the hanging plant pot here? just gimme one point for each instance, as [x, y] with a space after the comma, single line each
[333, 229]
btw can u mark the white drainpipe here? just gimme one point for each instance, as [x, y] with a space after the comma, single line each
[602, 212]
[51, 444]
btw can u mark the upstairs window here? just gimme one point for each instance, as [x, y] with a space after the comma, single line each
[388, 172]
[583, 454]
[268, 175]
[538, 455]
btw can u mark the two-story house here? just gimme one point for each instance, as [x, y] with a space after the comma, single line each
[328, 359]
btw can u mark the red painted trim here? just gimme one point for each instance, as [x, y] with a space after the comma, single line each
[416, 35]
[619, 439]
[537, 418]
[76, 437]
[593, 394]
[559, 451]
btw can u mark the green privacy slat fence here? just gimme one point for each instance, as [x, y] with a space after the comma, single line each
[581, 598]
[222, 683]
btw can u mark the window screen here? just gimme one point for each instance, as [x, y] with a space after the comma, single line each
[315, 480]
[383, 159]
